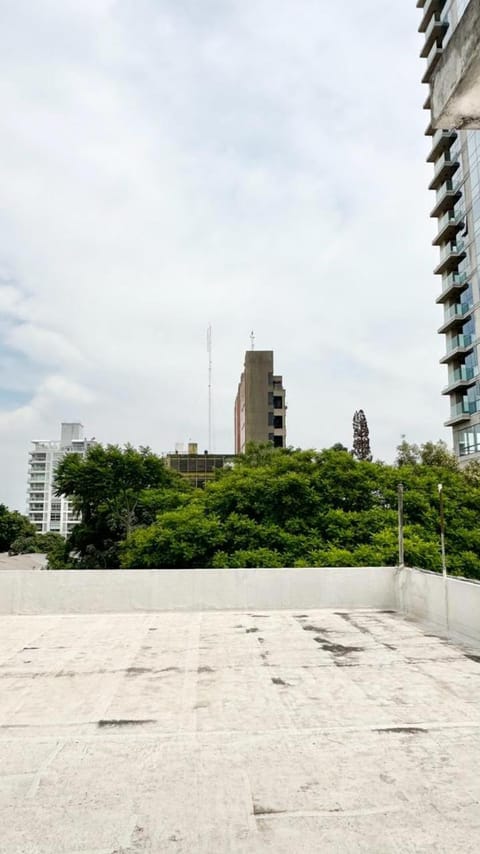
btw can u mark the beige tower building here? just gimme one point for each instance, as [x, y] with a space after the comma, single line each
[260, 410]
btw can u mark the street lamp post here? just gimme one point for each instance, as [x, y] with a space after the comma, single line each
[442, 546]
[401, 553]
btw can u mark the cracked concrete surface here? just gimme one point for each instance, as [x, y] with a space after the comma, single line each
[321, 731]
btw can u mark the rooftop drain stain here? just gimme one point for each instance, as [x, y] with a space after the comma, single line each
[125, 722]
[135, 671]
[310, 628]
[277, 681]
[409, 730]
[337, 648]
[258, 810]
[248, 631]
[349, 619]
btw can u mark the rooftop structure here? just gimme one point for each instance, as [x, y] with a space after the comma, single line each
[197, 468]
[246, 731]
[455, 155]
[47, 511]
[260, 409]
[452, 50]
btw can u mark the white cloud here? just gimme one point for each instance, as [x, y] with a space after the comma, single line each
[251, 163]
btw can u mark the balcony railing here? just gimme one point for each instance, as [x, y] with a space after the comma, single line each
[461, 377]
[446, 199]
[444, 168]
[430, 7]
[457, 313]
[451, 256]
[454, 283]
[435, 32]
[432, 62]
[448, 226]
[459, 412]
[459, 344]
[441, 141]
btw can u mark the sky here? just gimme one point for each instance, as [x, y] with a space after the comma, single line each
[253, 164]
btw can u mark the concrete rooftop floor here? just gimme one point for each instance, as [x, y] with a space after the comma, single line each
[231, 732]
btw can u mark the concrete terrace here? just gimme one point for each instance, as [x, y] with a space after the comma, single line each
[271, 731]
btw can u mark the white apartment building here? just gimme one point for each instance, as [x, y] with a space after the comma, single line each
[45, 510]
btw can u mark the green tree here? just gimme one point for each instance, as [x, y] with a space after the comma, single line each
[361, 437]
[438, 454]
[179, 539]
[114, 490]
[13, 526]
[408, 454]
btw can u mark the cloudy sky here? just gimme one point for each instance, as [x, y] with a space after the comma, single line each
[256, 164]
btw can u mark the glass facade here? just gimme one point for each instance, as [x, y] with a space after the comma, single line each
[456, 180]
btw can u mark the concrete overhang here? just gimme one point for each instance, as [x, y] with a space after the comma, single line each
[455, 85]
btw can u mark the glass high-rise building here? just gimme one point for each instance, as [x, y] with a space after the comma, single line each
[455, 156]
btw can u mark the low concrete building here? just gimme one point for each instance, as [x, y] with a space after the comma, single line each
[452, 50]
[197, 468]
[260, 409]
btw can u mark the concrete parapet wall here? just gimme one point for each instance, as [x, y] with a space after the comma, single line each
[418, 594]
[452, 607]
[127, 590]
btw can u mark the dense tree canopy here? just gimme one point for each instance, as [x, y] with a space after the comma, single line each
[13, 526]
[115, 490]
[275, 507]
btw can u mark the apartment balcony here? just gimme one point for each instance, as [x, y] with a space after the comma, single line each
[458, 413]
[446, 200]
[434, 33]
[430, 8]
[432, 61]
[427, 106]
[448, 227]
[451, 258]
[462, 377]
[441, 141]
[460, 345]
[444, 169]
[456, 314]
[455, 284]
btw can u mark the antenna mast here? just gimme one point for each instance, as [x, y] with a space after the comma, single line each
[252, 340]
[209, 351]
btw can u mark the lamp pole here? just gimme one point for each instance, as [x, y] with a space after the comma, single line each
[442, 545]
[401, 553]
[442, 529]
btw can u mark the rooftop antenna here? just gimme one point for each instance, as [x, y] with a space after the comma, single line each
[252, 340]
[209, 351]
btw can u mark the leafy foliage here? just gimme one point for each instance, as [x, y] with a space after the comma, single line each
[114, 490]
[275, 507]
[13, 526]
